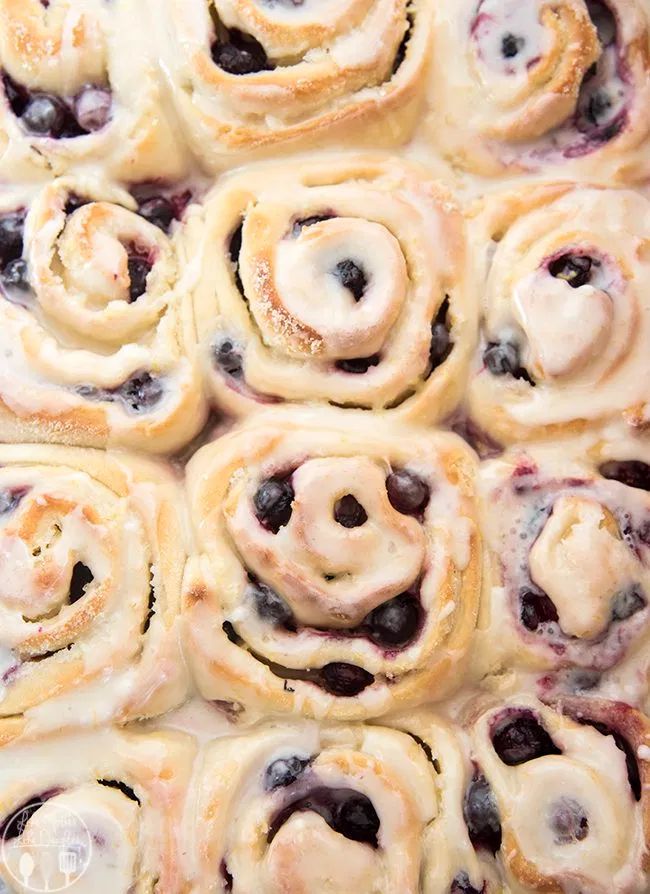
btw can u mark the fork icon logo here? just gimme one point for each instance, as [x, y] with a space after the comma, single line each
[46, 847]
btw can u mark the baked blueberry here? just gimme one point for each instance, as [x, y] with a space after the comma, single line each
[14, 275]
[357, 819]
[574, 269]
[394, 623]
[240, 54]
[358, 365]
[159, 211]
[568, 821]
[511, 44]
[139, 269]
[627, 603]
[82, 576]
[407, 492]
[92, 108]
[12, 226]
[349, 813]
[536, 608]
[461, 885]
[44, 115]
[141, 392]
[10, 498]
[345, 680]
[269, 605]
[521, 739]
[229, 358]
[631, 472]
[352, 277]
[441, 343]
[284, 771]
[482, 815]
[349, 512]
[502, 359]
[272, 501]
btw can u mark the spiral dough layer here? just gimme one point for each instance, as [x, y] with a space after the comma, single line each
[338, 566]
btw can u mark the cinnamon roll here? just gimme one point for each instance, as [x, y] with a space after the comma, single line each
[245, 77]
[79, 85]
[339, 280]
[92, 549]
[522, 86]
[566, 312]
[298, 808]
[94, 811]
[338, 565]
[96, 327]
[568, 534]
[559, 795]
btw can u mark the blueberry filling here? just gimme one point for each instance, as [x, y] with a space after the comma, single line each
[14, 276]
[284, 771]
[139, 268]
[92, 108]
[535, 609]
[74, 201]
[81, 577]
[627, 603]
[349, 513]
[122, 787]
[511, 44]
[159, 211]
[151, 604]
[503, 359]
[301, 223]
[358, 365]
[14, 825]
[347, 812]
[568, 822]
[345, 680]
[10, 498]
[46, 115]
[603, 20]
[522, 739]
[226, 876]
[228, 358]
[270, 606]
[441, 343]
[352, 277]
[633, 775]
[631, 472]
[273, 503]
[395, 623]
[12, 226]
[400, 55]
[407, 492]
[573, 269]
[461, 885]
[231, 633]
[234, 249]
[482, 815]
[240, 54]
[140, 393]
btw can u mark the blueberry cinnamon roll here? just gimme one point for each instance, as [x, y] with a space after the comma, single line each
[92, 550]
[559, 795]
[337, 571]
[246, 77]
[517, 86]
[96, 325]
[566, 313]
[93, 811]
[79, 84]
[341, 280]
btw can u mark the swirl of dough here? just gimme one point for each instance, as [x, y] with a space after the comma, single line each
[93, 811]
[342, 280]
[97, 328]
[567, 790]
[566, 312]
[246, 76]
[562, 84]
[80, 85]
[568, 534]
[337, 571]
[92, 552]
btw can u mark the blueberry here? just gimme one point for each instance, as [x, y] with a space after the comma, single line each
[633, 775]
[14, 275]
[352, 277]
[229, 358]
[461, 885]
[272, 501]
[159, 211]
[574, 269]
[234, 250]
[241, 54]
[74, 202]
[284, 771]
[357, 819]
[349, 513]
[10, 498]
[522, 739]
[511, 44]
[231, 633]
[301, 223]
[535, 609]
[92, 108]
[407, 492]
[141, 392]
[441, 343]
[568, 822]
[631, 472]
[358, 365]
[345, 680]
[598, 108]
[482, 815]
[502, 358]
[82, 576]
[627, 603]
[44, 115]
[12, 226]
[394, 623]
[270, 606]
[139, 269]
